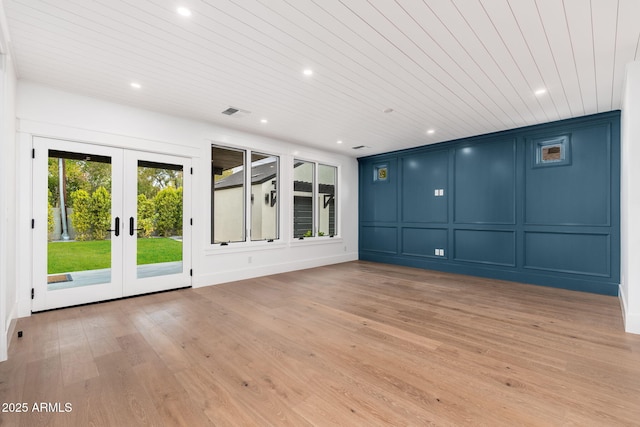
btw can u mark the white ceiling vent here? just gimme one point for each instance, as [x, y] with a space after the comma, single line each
[236, 112]
[360, 147]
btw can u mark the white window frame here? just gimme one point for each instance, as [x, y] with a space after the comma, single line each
[314, 197]
[247, 242]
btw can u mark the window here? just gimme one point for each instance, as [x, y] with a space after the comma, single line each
[327, 176]
[314, 199]
[264, 196]
[303, 183]
[229, 198]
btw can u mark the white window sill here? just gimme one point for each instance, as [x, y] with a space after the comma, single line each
[238, 247]
[262, 245]
[324, 240]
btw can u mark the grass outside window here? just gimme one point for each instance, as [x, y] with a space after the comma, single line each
[64, 257]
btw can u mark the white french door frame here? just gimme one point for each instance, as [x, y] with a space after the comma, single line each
[124, 278]
[133, 285]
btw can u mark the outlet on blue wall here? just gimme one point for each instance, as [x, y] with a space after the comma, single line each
[538, 205]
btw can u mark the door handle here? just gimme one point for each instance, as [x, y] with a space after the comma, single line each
[117, 229]
[131, 229]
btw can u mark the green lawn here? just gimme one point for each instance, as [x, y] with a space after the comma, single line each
[65, 257]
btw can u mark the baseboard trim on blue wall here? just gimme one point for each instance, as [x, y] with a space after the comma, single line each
[569, 283]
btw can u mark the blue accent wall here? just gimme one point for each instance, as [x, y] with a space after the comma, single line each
[502, 205]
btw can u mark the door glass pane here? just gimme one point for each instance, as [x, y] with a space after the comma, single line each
[327, 200]
[303, 182]
[79, 220]
[264, 197]
[159, 219]
[228, 198]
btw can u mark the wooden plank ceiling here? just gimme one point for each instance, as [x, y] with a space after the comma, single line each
[456, 67]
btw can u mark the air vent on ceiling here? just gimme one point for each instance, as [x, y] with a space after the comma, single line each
[235, 112]
[359, 147]
[229, 111]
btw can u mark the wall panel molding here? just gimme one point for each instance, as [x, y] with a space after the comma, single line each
[518, 207]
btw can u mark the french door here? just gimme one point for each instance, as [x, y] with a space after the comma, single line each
[108, 223]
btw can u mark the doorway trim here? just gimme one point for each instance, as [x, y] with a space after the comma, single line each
[40, 147]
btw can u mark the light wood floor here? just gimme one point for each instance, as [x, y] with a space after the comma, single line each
[351, 344]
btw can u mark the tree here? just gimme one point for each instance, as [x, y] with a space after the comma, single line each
[153, 180]
[80, 175]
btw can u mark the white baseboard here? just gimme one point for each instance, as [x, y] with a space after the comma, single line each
[631, 320]
[249, 273]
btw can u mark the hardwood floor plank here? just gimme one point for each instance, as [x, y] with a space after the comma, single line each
[357, 343]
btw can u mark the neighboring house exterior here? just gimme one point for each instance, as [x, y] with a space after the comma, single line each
[229, 193]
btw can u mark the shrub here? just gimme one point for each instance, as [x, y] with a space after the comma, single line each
[50, 222]
[167, 202]
[101, 211]
[178, 214]
[146, 216]
[82, 216]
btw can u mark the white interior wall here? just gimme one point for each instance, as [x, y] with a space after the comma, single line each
[3, 219]
[630, 200]
[44, 111]
[8, 287]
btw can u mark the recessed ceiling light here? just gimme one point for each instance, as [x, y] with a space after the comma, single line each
[307, 72]
[135, 85]
[540, 91]
[263, 121]
[183, 11]
[339, 142]
[431, 131]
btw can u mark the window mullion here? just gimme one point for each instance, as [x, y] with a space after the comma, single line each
[248, 193]
[316, 205]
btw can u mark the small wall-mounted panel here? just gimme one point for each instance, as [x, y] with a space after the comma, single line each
[484, 181]
[423, 242]
[485, 246]
[424, 179]
[379, 239]
[579, 193]
[379, 186]
[568, 253]
[549, 152]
